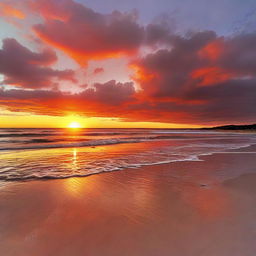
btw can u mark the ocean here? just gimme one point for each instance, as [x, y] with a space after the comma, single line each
[28, 154]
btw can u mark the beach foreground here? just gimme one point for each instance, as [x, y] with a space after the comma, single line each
[169, 209]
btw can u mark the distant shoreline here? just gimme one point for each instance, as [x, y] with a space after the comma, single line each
[232, 127]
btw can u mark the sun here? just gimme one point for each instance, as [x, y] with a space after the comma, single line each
[74, 125]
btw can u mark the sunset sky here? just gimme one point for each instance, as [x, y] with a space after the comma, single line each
[137, 63]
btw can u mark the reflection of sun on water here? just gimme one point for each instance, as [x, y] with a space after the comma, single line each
[74, 158]
[76, 186]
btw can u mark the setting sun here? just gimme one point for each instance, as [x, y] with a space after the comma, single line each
[74, 125]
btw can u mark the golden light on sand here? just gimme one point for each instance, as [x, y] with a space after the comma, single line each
[74, 125]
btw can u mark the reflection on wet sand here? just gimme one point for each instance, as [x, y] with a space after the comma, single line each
[74, 187]
[208, 202]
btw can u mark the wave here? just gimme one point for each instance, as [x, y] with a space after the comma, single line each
[65, 142]
[47, 176]
[24, 135]
[41, 141]
[6, 135]
[76, 144]
[39, 133]
[22, 166]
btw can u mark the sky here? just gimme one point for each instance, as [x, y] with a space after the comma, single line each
[137, 63]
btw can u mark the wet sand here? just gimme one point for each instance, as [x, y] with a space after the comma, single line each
[182, 208]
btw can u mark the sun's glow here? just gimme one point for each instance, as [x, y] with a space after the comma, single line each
[74, 125]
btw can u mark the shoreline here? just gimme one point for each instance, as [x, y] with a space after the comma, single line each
[251, 149]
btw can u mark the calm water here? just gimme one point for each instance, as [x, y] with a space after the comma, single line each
[59, 153]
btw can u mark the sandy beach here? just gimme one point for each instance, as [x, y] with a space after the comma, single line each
[180, 208]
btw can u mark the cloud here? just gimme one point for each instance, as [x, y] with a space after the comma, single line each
[200, 78]
[201, 59]
[22, 67]
[181, 84]
[227, 102]
[85, 34]
[197, 78]
[7, 10]
[235, 54]
[98, 71]
[110, 93]
[101, 97]
[168, 71]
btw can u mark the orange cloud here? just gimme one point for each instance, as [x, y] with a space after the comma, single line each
[210, 76]
[213, 50]
[85, 34]
[9, 11]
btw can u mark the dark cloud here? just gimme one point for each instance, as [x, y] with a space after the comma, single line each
[236, 54]
[110, 93]
[22, 67]
[201, 59]
[98, 99]
[167, 71]
[200, 78]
